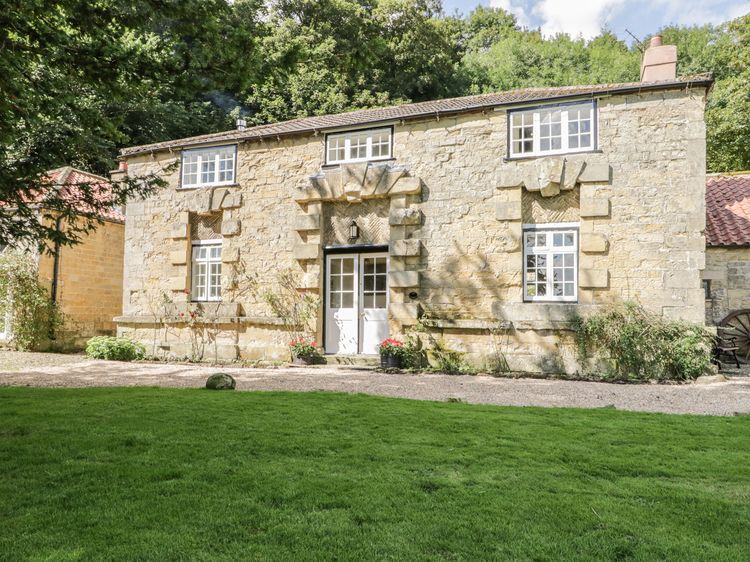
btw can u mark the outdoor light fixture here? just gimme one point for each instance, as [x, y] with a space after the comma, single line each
[353, 231]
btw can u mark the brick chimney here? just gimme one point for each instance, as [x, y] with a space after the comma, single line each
[659, 61]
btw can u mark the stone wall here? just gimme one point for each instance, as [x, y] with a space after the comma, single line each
[451, 208]
[90, 281]
[728, 271]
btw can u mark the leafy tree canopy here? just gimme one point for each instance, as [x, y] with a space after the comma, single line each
[80, 79]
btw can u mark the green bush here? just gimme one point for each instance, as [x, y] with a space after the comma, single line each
[637, 345]
[114, 349]
[34, 318]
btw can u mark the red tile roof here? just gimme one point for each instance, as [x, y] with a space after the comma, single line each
[728, 210]
[423, 109]
[67, 178]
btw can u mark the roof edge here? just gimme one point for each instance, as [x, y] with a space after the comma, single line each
[704, 80]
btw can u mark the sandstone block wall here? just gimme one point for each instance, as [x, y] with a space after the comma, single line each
[728, 270]
[90, 281]
[451, 208]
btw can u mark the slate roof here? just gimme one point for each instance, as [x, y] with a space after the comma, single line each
[422, 109]
[728, 210]
[67, 178]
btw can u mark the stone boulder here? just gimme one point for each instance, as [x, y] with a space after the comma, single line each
[220, 381]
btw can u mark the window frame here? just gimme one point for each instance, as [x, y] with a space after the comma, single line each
[200, 184]
[551, 228]
[208, 261]
[347, 138]
[535, 111]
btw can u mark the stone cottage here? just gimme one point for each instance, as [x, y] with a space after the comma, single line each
[488, 221]
[85, 280]
[726, 279]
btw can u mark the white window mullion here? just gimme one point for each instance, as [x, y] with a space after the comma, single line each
[564, 131]
[537, 122]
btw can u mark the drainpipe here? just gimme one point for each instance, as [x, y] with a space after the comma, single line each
[56, 264]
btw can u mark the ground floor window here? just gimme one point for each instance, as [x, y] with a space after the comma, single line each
[206, 273]
[550, 255]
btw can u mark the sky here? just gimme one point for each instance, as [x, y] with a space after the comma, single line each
[586, 17]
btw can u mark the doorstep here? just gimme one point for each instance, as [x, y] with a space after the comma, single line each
[353, 360]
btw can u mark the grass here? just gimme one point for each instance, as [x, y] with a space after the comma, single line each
[158, 474]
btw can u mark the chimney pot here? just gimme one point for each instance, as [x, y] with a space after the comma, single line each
[122, 166]
[655, 41]
[241, 124]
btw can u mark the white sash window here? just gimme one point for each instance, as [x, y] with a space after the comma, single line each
[203, 167]
[550, 257]
[552, 130]
[358, 146]
[206, 273]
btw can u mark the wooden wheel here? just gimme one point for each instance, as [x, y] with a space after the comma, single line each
[737, 325]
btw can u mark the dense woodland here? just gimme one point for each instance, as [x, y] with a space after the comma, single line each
[80, 79]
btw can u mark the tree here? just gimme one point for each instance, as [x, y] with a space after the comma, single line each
[79, 79]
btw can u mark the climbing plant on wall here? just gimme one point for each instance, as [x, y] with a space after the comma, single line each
[33, 317]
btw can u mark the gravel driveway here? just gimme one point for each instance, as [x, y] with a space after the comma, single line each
[726, 398]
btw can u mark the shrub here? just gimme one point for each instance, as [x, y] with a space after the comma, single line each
[449, 361]
[34, 318]
[637, 345]
[114, 349]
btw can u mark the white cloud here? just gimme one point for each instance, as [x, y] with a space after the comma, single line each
[697, 12]
[515, 8]
[584, 18]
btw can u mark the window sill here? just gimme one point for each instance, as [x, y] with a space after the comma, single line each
[538, 156]
[373, 161]
[207, 186]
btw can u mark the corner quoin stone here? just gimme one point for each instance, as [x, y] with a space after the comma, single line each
[306, 251]
[180, 231]
[307, 222]
[593, 278]
[405, 217]
[230, 228]
[406, 248]
[595, 207]
[406, 313]
[508, 211]
[594, 243]
[403, 279]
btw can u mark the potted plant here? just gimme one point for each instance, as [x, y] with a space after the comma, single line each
[390, 351]
[304, 352]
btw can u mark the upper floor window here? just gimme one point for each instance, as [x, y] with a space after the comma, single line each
[550, 254]
[358, 146]
[552, 130]
[209, 166]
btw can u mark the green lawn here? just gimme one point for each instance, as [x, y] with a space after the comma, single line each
[156, 474]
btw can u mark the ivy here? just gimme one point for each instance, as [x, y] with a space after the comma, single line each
[34, 318]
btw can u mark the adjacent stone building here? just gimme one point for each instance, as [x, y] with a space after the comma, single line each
[726, 279]
[486, 221]
[85, 280]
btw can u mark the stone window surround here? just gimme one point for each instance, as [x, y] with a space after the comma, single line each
[511, 156]
[199, 185]
[354, 183]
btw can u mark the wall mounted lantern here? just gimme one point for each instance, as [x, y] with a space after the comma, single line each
[353, 231]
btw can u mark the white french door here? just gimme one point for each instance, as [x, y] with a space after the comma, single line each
[356, 294]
